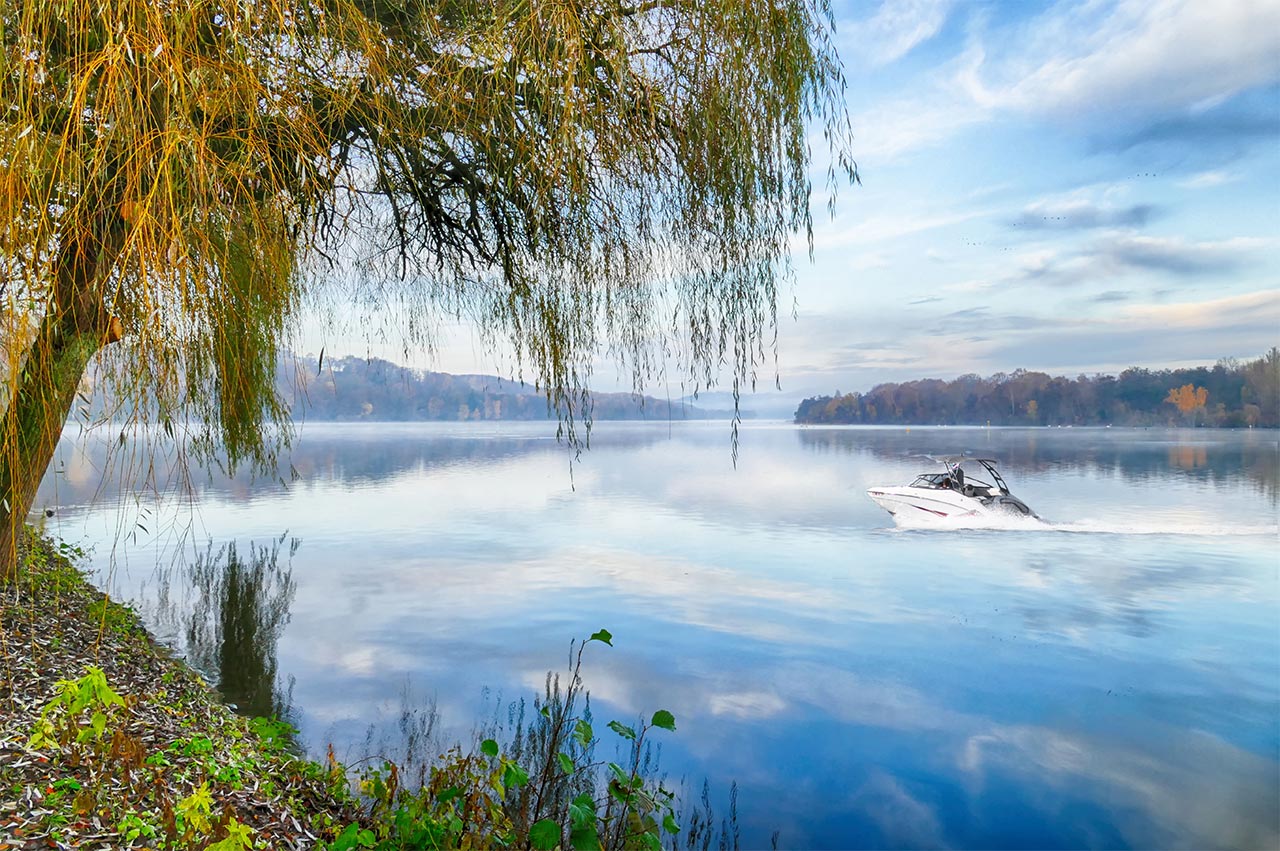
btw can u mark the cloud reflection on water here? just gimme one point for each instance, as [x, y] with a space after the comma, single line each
[976, 686]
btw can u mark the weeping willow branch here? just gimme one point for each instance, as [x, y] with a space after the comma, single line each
[578, 178]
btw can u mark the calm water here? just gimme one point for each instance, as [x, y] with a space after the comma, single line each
[1110, 678]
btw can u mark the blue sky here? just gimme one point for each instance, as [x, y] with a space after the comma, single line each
[1071, 187]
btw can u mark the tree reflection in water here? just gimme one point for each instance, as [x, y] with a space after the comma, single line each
[242, 605]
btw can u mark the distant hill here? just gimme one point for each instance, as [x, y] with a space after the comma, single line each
[1229, 394]
[353, 388]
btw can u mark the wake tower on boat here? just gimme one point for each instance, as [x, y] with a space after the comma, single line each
[952, 492]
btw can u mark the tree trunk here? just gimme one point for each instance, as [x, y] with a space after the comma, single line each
[45, 387]
[32, 424]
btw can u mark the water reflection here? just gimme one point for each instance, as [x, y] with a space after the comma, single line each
[1109, 678]
[104, 465]
[228, 616]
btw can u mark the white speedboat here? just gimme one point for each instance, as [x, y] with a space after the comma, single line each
[953, 493]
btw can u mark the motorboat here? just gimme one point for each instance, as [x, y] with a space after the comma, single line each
[952, 492]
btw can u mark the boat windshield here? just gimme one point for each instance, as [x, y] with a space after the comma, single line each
[929, 480]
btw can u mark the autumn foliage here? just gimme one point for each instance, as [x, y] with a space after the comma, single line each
[1244, 394]
[1188, 398]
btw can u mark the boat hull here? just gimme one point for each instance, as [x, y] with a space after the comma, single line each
[921, 502]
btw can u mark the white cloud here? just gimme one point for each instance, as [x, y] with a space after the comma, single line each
[1178, 256]
[1250, 308]
[1183, 801]
[1135, 56]
[881, 229]
[903, 819]
[1033, 264]
[887, 132]
[1124, 61]
[1187, 333]
[1109, 336]
[1121, 253]
[971, 285]
[1207, 179]
[897, 28]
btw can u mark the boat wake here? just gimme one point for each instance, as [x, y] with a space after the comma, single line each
[1144, 526]
[1164, 526]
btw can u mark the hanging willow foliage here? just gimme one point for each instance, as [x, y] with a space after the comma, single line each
[576, 177]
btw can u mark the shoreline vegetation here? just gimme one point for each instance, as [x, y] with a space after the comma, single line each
[1230, 394]
[109, 741]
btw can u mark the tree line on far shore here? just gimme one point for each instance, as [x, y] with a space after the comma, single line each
[1229, 394]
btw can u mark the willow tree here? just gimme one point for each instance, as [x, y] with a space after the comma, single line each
[181, 179]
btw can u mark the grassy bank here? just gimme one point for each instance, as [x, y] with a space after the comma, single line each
[106, 741]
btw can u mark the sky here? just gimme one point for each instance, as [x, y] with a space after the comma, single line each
[1068, 187]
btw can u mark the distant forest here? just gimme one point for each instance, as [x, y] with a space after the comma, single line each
[354, 388]
[1230, 394]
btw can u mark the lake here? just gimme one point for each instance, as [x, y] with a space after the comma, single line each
[1109, 677]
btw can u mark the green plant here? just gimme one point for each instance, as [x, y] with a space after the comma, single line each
[548, 793]
[229, 774]
[276, 735]
[239, 838]
[354, 836]
[71, 552]
[54, 796]
[50, 567]
[578, 803]
[111, 616]
[637, 812]
[192, 814]
[61, 717]
[132, 827]
[195, 745]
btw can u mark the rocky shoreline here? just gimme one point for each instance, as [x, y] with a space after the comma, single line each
[144, 755]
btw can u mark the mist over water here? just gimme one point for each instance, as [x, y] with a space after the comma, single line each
[1108, 676]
